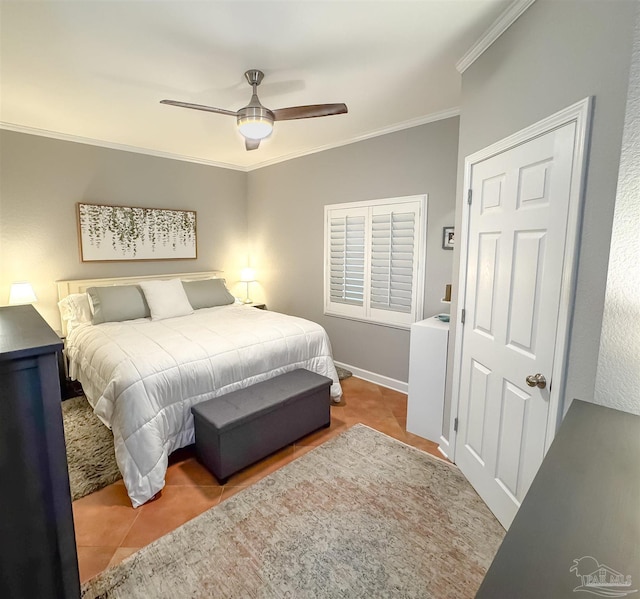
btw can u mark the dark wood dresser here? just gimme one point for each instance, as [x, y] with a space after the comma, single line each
[577, 533]
[37, 541]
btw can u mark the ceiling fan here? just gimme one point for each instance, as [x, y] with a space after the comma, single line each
[255, 121]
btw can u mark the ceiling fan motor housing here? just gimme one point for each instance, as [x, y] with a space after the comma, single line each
[255, 122]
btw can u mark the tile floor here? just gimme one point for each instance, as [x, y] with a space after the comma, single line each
[108, 529]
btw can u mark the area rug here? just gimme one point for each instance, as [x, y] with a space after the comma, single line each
[90, 454]
[362, 515]
[343, 373]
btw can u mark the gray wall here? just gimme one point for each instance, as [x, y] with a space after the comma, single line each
[286, 210]
[555, 54]
[618, 377]
[41, 180]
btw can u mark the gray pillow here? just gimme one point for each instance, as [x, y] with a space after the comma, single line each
[117, 303]
[207, 293]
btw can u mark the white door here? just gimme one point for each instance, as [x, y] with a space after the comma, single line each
[518, 221]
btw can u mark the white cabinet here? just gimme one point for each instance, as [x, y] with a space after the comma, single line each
[427, 374]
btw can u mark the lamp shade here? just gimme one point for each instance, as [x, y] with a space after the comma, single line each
[247, 275]
[22, 293]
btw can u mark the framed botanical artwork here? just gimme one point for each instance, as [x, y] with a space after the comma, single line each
[447, 238]
[114, 233]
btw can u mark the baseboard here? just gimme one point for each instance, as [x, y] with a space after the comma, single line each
[378, 379]
[396, 385]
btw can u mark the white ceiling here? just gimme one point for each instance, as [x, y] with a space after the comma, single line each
[98, 69]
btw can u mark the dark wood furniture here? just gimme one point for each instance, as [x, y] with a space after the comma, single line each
[37, 541]
[577, 533]
[68, 388]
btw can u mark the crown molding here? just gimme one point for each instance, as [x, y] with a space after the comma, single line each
[502, 23]
[116, 146]
[431, 118]
[436, 116]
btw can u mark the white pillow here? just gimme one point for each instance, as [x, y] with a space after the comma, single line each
[75, 310]
[166, 299]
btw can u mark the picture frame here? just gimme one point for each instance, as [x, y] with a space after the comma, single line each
[448, 238]
[108, 233]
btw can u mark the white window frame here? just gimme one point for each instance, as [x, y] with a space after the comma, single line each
[365, 313]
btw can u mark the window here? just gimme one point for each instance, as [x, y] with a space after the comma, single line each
[374, 260]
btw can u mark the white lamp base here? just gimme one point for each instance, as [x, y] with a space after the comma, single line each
[247, 278]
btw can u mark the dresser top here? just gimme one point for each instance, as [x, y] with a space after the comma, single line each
[578, 529]
[24, 333]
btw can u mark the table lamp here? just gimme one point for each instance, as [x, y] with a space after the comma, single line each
[21, 293]
[247, 276]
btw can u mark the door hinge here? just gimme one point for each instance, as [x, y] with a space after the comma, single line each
[463, 316]
[455, 425]
[469, 195]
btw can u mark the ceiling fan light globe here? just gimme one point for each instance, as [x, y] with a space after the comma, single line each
[255, 127]
[255, 122]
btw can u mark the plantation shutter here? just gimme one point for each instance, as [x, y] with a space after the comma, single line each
[347, 259]
[374, 260]
[392, 260]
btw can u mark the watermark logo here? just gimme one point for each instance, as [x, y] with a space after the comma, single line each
[599, 579]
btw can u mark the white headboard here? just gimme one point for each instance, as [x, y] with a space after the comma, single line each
[80, 285]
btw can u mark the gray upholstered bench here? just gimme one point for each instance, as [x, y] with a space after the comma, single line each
[244, 426]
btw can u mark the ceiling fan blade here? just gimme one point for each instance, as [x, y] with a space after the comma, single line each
[199, 107]
[308, 112]
[251, 144]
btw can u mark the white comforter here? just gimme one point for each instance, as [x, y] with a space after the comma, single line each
[142, 377]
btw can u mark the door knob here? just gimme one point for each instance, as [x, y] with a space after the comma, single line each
[536, 380]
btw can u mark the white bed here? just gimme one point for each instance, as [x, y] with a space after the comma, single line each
[142, 376]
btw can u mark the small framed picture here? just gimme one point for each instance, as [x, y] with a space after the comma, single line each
[448, 238]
